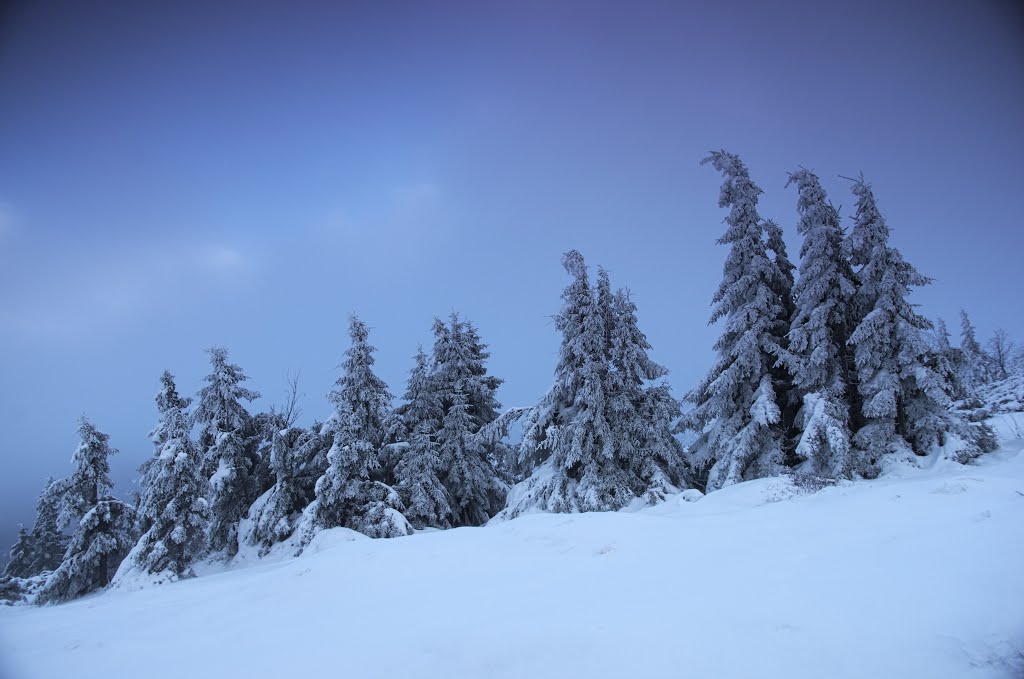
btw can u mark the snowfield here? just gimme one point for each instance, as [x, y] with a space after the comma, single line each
[919, 574]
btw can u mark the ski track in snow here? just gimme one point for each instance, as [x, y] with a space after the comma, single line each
[913, 575]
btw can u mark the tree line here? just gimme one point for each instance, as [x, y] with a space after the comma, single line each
[824, 370]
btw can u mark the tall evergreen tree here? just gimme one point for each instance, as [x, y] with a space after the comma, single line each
[348, 494]
[948, 361]
[789, 396]
[103, 526]
[817, 354]
[736, 407]
[776, 245]
[420, 402]
[168, 401]
[460, 382]
[474, 491]
[42, 548]
[228, 455]
[906, 406]
[567, 431]
[173, 504]
[977, 365]
[641, 414]
[602, 435]
[20, 559]
[448, 475]
[419, 472]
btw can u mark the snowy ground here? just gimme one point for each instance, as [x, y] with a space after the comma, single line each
[914, 575]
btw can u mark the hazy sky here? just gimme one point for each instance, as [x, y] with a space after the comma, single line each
[176, 175]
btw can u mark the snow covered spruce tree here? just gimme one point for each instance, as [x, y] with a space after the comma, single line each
[789, 397]
[227, 452]
[474, 490]
[977, 366]
[906, 406]
[419, 481]
[20, 560]
[775, 244]
[817, 355]
[103, 525]
[173, 504]
[274, 515]
[419, 470]
[350, 493]
[449, 476]
[466, 395]
[167, 399]
[641, 414]
[42, 548]
[948, 361]
[579, 438]
[566, 436]
[738, 410]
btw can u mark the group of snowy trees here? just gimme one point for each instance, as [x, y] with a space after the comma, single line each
[81, 532]
[832, 374]
[824, 369]
[602, 435]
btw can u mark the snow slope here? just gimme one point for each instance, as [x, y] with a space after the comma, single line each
[913, 575]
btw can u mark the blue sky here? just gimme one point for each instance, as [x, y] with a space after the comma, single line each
[189, 174]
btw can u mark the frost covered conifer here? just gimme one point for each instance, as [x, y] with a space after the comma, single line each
[466, 394]
[448, 475]
[567, 432]
[420, 401]
[641, 414]
[419, 481]
[173, 504]
[775, 244]
[227, 453]
[978, 368]
[475, 493]
[817, 354]
[348, 494]
[419, 471]
[602, 436]
[42, 548]
[949, 361]
[906, 406]
[789, 397]
[168, 401]
[103, 527]
[737, 410]
[292, 458]
[20, 558]
[460, 356]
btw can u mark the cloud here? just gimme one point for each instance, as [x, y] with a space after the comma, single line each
[221, 259]
[396, 218]
[71, 294]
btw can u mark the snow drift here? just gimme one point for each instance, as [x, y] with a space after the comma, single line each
[909, 575]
